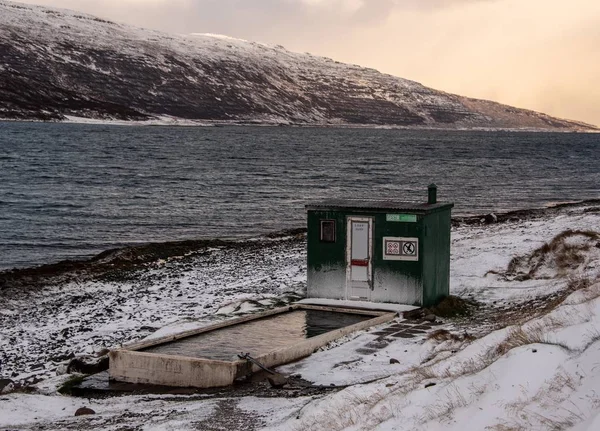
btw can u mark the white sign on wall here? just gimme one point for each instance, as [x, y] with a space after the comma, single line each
[398, 248]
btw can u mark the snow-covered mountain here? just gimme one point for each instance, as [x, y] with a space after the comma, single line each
[57, 63]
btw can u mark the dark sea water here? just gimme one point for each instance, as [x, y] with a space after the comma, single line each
[71, 191]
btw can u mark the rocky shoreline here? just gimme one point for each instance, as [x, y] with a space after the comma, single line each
[122, 264]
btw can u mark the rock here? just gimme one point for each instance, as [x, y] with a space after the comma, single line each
[102, 353]
[428, 385]
[6, 385]
[84, 411]
[414, 314]
[88, 365]
[277, 381]
[430, 318]
[490, 218]
[63, 357]
[62, 369]
[534, 350]
[394, 361]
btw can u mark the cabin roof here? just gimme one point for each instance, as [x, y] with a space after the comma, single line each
[375, 204]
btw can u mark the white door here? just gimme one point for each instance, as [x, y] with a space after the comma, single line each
[359, 270]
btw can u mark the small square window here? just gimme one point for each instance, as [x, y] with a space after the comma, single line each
[327, 230]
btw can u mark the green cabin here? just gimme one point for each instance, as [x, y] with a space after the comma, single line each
[380, 251]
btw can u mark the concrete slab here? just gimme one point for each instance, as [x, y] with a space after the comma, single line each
[403, 335]
[362, 305]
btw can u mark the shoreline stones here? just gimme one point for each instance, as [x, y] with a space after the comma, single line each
[83, 411]
[6, 386]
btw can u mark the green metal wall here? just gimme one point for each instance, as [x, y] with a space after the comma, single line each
[394, 280]
[326, 261]
[423, 282]
[436, 257]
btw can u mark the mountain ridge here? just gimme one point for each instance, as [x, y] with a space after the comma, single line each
[56, 64]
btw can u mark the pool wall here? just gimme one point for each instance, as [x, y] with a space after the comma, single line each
[131, 365]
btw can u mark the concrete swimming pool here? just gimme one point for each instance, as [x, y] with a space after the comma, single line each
[208, 357]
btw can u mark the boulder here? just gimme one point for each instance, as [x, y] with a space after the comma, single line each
[87, 365]
[414, 314]
[277, 381]
[6, 385]
[84, 411]
[103, 352]
[394, 361]
[490, 218]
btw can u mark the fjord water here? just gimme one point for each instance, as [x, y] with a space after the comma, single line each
[70, 191]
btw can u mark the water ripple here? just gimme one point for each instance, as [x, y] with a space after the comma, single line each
[70, 191]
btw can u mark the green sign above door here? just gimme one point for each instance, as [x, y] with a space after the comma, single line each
[406, 218]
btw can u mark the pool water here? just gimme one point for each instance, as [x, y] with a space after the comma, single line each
[259, 337]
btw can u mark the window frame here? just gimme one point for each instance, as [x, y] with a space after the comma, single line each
[322, 223]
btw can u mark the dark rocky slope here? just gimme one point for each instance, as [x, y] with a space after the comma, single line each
[58, 63]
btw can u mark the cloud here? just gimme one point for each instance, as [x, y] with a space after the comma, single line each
[538, 54]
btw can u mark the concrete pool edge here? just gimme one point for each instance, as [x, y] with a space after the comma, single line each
[129, 364]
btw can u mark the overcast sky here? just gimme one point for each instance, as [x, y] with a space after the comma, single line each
[537, 54]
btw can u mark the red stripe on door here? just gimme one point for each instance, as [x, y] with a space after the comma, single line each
[360, 262]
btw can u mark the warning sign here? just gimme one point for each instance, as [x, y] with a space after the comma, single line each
[409, 248]
[392, 248]
[396, 248]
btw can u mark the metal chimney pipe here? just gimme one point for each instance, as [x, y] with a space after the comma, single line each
[432, 194]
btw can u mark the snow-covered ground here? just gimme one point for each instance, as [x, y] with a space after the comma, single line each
[162, 120]
[537, 369]
[40, 328]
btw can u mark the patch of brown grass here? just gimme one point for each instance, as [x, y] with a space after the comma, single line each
[453, 400]
[454, 306]
[557, 253]
[579, 283]
[505, 427]
[445, 335]
[521, 336]
[424, 373]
